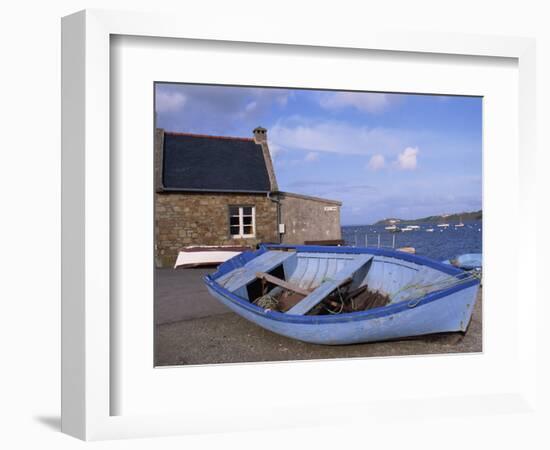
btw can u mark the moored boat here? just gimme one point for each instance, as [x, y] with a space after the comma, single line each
[304, 292]
[392, 228]
[406, 249]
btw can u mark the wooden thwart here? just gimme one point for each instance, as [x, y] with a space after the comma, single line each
[265, 262]
[282, 283]
[328, 286]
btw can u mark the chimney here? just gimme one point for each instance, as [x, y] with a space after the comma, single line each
[260, 138]
[260, 135]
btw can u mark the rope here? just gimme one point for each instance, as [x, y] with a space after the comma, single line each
[267, 302]
[424, 289]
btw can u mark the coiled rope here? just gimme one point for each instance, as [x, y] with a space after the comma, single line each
[326, 308]
[267, 302]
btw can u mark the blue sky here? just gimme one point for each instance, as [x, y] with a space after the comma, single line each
[382, 155]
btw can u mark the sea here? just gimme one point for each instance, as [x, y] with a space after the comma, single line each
[441, 244]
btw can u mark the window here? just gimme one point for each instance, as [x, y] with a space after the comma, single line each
[242, 221]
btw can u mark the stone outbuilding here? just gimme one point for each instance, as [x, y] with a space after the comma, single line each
[219, 190]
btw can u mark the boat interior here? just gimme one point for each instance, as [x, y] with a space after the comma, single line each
[301, 282]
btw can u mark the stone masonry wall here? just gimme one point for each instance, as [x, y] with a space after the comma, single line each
[183, 219]
[309, 219]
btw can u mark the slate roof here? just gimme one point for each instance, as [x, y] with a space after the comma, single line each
[193, 162]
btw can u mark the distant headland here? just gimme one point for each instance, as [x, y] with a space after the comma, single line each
[447, 218]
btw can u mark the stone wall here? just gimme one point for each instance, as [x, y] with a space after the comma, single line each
[309, 218]
[183, 219]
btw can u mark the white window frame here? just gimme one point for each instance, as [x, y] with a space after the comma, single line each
[241, 221]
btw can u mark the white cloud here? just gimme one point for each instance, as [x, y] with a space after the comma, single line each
[251, 106]
[336, 137]
[170, 101]
[263, 100]
[282, 99]
[216, 109]
[275, 150]
[363, 101]
[406, 160]
[376, 162]
[312, 157]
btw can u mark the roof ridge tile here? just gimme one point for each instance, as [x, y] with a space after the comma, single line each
[209, 136]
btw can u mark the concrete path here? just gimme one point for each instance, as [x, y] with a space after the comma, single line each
[193, 328]
[181, 295]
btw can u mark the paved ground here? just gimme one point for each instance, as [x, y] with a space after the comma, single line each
[181, 295]
[193, 328]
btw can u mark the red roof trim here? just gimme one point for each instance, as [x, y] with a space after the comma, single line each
[174, 133]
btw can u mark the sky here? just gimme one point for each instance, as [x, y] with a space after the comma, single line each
[381, 154]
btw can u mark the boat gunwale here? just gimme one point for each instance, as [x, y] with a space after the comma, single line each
[374, 313]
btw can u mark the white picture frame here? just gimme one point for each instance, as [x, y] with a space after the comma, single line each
[88, 385]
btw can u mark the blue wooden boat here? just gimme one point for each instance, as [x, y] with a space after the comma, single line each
[468, 261]
[425, 296]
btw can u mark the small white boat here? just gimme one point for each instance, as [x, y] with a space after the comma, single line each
[392, 228]
[206, 255]
[429, 230]
[414, 227]
[410, 250]
[443, 224]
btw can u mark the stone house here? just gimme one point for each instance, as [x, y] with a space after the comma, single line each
[219, 190]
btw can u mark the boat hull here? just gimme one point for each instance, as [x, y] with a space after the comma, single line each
[436, 317]
[445, 311]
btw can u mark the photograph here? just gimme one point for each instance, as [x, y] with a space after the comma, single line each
[300, 224]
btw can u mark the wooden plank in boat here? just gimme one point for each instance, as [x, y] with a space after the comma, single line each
[264, 263]
[319, 294]
[282, 283]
